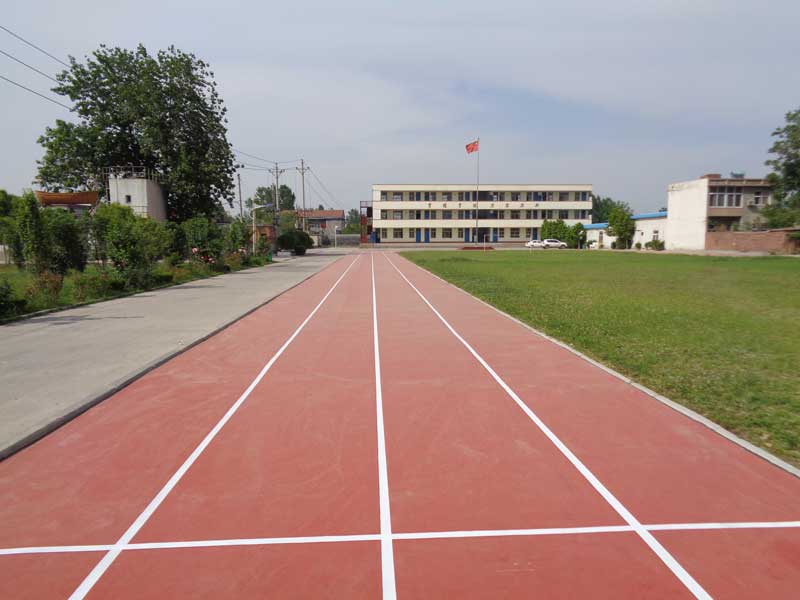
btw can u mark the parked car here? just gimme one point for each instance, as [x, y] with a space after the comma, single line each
[553, 244]
[534, 244]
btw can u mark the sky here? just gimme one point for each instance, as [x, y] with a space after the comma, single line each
[626, 95]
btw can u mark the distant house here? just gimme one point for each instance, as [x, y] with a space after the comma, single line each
[649, 227]
[138, 188]
[75, 202]
[319, 222]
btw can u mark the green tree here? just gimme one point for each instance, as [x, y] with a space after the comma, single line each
[785, 178]
[65, 241]
[602, 206]
[33, 240]
[621, 226]
[352, 223]
[162, 112]
[6, 203]
[555, 230]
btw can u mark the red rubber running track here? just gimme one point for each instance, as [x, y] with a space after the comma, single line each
[375, 432]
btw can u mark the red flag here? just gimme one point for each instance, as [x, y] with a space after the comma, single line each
[473, 146]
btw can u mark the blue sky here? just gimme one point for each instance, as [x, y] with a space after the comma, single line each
[626, 95]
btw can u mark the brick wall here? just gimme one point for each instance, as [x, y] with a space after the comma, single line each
[777, 241]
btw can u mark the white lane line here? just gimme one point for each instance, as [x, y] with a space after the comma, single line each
[708, 526]
[421, 535]
[682, 574]
[101, 567]
[430, 535]
[387, 551]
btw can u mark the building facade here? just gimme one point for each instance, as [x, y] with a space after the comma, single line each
[318, 222]
[713, 203]
[139, 189]
[440, 213]
[649, 227]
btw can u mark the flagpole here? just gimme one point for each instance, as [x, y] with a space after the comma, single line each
[477, 190]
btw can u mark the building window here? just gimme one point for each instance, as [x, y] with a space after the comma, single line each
[447, 233]
[430, 196]
[397, 196]
[383, 196]
[127, 198]
[534, 214]
[397, 215]
[501, 233]
[515, 196]
[433, 234]
[515, 214]
[514, 232]
[460, 233]
[397, 234]
[655, 234]
[446, 196]
[563, 214]
[528, 233]
[494, 196]
[447, 214]
[582, 196]
[412, 232]
[384, 214]
[759, 197]
[563, 196]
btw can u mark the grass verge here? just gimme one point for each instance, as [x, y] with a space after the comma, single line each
[720, 335]
[95, 284]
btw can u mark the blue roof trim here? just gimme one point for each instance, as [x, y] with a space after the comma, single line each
[653, 215]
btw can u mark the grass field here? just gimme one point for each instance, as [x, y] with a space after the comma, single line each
[719, 335]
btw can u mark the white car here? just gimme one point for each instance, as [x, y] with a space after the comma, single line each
[553, 244]
[534, 244]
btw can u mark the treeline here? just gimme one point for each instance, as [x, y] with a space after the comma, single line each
[109, 252]
[573, 236]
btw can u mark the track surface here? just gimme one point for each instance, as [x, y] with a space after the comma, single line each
[375, 432]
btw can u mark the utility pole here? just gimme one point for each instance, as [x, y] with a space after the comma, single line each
[303, 168]
[241, 211]
[276, 205]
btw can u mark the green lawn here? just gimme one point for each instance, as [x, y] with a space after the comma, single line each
[719, 335]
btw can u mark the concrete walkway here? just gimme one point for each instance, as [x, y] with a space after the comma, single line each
[55, 366]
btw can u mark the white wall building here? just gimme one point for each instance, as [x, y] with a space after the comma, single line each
[441, 213]
[713, 203]
[142, 194]
[649, 227]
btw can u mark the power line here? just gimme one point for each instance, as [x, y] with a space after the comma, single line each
[272, 162]
[29, 66]
[19, 85]
[332, 197]
[32, 45]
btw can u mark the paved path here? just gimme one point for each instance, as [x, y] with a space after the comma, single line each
[56, 364]
[437, 449]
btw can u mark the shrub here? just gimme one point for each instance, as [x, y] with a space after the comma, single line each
[44, 290]
[613, 245]
[638, 245]
[295, 240]
[65, 241]
[8, 305]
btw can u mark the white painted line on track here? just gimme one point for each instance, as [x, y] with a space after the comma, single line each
[682, 574]
[432, 535]
[107, 560]
[421, 535]
[387, 550]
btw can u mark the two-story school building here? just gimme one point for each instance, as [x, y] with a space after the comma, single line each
[441, 213]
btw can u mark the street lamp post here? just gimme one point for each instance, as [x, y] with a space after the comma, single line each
[253, 213]
[335, 231]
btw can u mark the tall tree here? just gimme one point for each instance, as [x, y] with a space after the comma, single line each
[785, 178]
[621, 226]
[162, 112]
[602, 206]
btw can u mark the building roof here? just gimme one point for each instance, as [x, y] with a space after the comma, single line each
[330, 215]
[484, 187]
[662, 214]
[67, 198]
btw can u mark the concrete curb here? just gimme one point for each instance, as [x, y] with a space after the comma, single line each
[687, 412]
[117, 386]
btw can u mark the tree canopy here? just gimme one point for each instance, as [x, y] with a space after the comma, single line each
[162, 112]
[621, 225]
[602, 206]
[785, 178]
